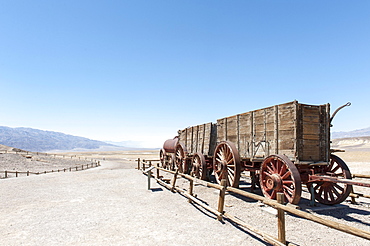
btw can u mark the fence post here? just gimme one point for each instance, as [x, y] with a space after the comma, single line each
[281, 219]
[157, 171]
[16, 174]
[149, 176]
[138, 163]
[6, 174]
[221, 198]
[174, 180]
[28, 173]
[191, 187]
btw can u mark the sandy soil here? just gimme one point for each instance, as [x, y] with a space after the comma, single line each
[108, 205]
[111, 205]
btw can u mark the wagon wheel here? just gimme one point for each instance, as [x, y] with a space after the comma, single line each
[226, 162]
[199, 167]
[162, 157]
[331, 193]
[279, 174]
[170, 161]
[180, 159]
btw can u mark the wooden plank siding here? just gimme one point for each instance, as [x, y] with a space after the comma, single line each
[298, 131]
[200, 138]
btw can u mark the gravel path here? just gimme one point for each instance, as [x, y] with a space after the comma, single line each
[107, 205]
[110, 205]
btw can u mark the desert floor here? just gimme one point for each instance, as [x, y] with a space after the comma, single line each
[111, 205]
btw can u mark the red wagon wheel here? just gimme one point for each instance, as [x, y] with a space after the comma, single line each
[279, 174]
[171, 161]
[199, 167]
[180, 159]
[226, 161]
[331, 193]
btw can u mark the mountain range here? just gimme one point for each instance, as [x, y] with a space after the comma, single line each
[48, 141]
[42, 141]
[356, 133]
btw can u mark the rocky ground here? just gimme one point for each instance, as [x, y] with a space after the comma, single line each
[111, 205]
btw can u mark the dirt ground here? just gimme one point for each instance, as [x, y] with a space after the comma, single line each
[111, 205]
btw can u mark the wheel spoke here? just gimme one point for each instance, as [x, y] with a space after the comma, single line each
[336, 191]
[335, 169]
[230, 161]
[271, 171]
[267, 174]
[286, 175]
[231, 174]
[282, 170]
[231, 170]
[273, 166]
[339, 187]
[326, 193]
[273, 194]
[288, 182]
[330, 191]
[287, 188]
[321, 190]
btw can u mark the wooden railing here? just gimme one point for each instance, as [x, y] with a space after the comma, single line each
[28, 154]
[70, 169]
[147, 167]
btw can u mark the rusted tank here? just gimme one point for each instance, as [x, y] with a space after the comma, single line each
[170, 145]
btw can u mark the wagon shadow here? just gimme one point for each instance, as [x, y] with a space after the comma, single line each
[345, 213]
[212, 216]
[246, 186]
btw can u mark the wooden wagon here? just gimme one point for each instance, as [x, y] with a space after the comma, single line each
[283, 147]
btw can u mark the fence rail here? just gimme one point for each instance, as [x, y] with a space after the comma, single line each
[220, 213]
[26, 153]
[70, 169]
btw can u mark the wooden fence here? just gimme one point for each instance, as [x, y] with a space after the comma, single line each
[70, 169]
[147, 167]
[27, 154]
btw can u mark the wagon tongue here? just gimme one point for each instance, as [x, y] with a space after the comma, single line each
[323, 178]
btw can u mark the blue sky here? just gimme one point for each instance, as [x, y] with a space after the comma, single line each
[141, 70]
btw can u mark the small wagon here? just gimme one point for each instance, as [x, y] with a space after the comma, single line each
[283, 147]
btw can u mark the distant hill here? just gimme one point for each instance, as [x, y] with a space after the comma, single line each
[353, 143]
[356, 133]
[129, 144]
[357, 140]
[42, 141]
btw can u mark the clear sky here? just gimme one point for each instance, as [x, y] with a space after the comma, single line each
[141, 70]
